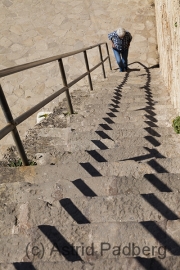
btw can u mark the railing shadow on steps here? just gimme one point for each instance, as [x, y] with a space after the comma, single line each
[152, 135]
[13, 123]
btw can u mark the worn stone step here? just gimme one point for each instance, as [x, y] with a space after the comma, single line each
[125, 91]
[128, 87]
[20, 188]
[117, 134]
[103, 142]
[104, 125]
[128, 116]
[134, 106]
[120, 153]
[113, 113]
[86, 210]
[152, 239]
[122, 83]
[109, 107]
[80, 122]
[52, 152]
[113, 87]
[128, 79]
[39, 142]
[142, 101]
[105, 120]
[157, 108]
[82, 170]
[122, 96]
[171, 262]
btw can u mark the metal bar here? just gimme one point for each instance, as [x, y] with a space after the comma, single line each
[100, 52]
[4, 131]
[41, 104]
[87, 68]
[9, 119]
[12, 123]
[27, 114]
[12, 70]
[108, 56]
[63, 75]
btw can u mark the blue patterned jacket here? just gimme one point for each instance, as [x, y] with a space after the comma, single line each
[120, 44]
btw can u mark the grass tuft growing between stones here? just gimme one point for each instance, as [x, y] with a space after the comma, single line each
[176, 124]
[18, 163]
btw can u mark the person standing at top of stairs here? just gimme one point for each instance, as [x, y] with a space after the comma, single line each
[121, 40]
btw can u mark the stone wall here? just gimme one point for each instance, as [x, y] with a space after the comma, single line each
[35, 29]
[168, 35]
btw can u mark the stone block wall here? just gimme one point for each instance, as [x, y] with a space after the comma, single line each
[168, 36]
[35, 29]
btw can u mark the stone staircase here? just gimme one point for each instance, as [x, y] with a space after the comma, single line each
[105, 192]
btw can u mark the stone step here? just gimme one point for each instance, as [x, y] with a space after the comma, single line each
[89, 210]
[116, 113]
[171, 262]
[103, 144]
[92, 123]
[118, 134]
[100, 143]
[129, 116]
[122, 81]
[128, 79]
[144, 110]
[142, 101]
[52, 150]
[132, 107]
[129, 90]
[20, 188]
[102, 241]
[123, 94]
[112, 154]
[79, 127]
[82, 170]
[41, 140]
[119, 153]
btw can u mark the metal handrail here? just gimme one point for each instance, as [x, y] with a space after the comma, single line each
[13, 123]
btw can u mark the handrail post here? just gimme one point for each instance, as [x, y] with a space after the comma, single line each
[87, 68]
[63, 75]
[101, 58]
[108, 56]
[15, 134]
